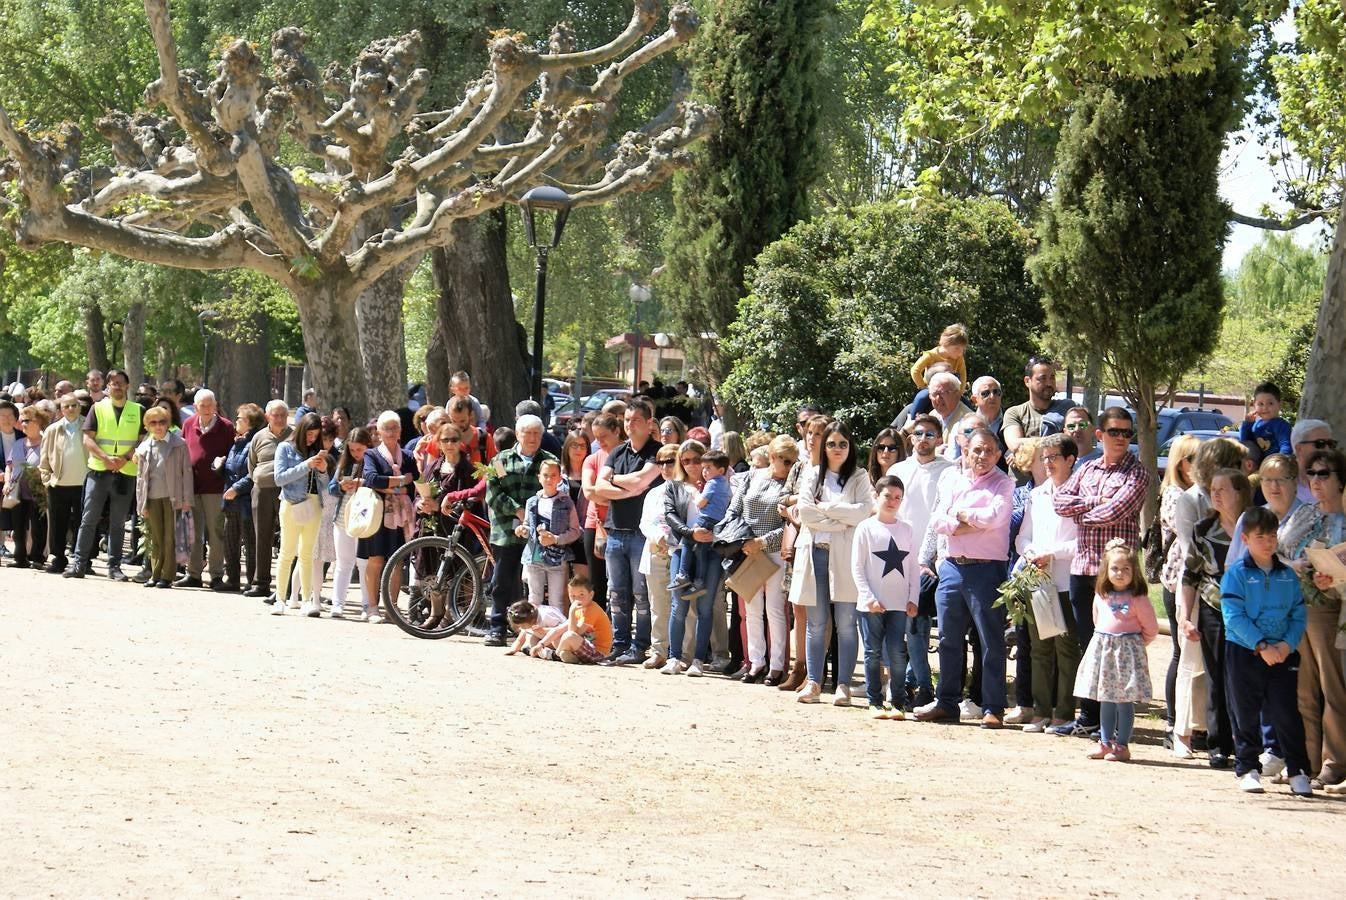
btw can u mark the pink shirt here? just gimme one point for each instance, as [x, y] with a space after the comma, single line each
[1120, 613]
[596, 512]
[988, 500]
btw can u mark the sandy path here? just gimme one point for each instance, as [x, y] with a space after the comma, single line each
[167, 743]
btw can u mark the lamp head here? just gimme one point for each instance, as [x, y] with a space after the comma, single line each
[544, 197]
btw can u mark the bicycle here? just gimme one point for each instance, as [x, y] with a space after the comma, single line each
[439, 567]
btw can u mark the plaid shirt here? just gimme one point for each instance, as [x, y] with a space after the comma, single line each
[1105, 502]
[508, 490]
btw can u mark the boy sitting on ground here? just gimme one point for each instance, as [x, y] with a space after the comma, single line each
[586, 636]
[533, 624]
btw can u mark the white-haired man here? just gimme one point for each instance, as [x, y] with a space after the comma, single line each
[507, 497]
[265, 493]
[209, 437]
[1309, 436]
[946, 403]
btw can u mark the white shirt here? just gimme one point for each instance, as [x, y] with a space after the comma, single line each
[919, 482]
[716, 432]
[884, 564]
[1044, 533]
[831, 492]
[652, 522]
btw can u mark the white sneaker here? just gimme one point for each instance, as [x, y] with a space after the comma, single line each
[926, 709]
[278, 608]
[695, 670]
[337, 611]
[293, 602]
[311, 610]
[375, 619]
[673, 667]
[1251, 783]
[969, 710]
[1272, 765]
[809, 692]
[1300, 786]
[1181, 750]
[843, 695]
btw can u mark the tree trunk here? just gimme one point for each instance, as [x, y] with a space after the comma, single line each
[1147, 436]
[238, 369]
[437, 367]
[383, 340]
[133, 344]
[475, 312]
[1325, 377]
[95, 337]
[1093, 382]
[326, 316]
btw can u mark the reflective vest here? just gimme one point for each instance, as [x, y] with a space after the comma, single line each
[116, 437]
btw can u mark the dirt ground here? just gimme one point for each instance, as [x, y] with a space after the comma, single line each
[160, 743]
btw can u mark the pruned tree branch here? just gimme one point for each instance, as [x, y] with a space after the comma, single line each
[1290, 224]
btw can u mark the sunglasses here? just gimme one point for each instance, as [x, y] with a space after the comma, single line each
[1119, 432]
[1077, 426]
[1321, 444]
[990, 392]
[690, 461]
[968, 430]
[1320, 473]
[885, 448]
[925, 434]
[837, 445]
[667, 462]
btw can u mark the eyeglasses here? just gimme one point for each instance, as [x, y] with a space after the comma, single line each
[885, 448]
[1077, 426]
[990, 392]
[837, 445]
[1119, 432]
[801, 423]
[925, 434]
[1268, 480]
[690, 461]
[1320, 444]
[24, 421]
[1320, 473]
[1048, 460]
[667, 462]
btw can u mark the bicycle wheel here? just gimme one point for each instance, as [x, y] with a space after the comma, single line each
[438, 566]
[467, 599]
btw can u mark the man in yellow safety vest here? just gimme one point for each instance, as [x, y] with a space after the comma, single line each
[112, 430]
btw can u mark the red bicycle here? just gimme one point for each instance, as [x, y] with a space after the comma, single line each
[444, 584]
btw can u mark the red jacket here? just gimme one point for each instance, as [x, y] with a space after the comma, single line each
[202, 450]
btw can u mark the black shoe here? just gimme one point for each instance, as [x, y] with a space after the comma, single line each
[1168, 740]
[163, 584]
[219, 584]
[187, 581]
[230, 587]
[76, 572]
[751, 677]
[257, 591]
[494, 639]
[19, 565]
[1219, 760]
[149, 583]
[629, 658]
[117, 575]
[53, 569]
[143, 577]
[740, 673]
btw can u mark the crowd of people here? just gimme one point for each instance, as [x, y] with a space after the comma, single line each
[778, 560]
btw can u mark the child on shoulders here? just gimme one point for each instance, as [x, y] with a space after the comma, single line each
[952, 350]
[1263, 425]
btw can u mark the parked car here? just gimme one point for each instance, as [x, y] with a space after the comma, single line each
[561, 417]
[1201, 435]
[1173, 422]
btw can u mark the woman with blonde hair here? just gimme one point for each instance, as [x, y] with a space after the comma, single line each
[1178, 477]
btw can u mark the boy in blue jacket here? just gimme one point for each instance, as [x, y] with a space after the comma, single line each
[1264, 619]
[1263, 425]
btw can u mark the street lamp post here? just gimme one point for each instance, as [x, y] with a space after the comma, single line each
[640, 294]
[204, 316]
[551, 198]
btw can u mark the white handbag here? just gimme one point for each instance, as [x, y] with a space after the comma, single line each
[366, 513]
[1048, 617]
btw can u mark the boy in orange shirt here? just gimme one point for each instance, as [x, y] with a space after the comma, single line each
[586, 637]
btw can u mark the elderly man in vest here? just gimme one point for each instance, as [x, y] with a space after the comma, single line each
[209, 438]
[111, 432]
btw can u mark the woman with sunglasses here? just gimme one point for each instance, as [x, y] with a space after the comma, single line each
[680, 514]
[1322, 691]
[27, 520]
[64, 464]
[811, 426]
[888, 450]
[835, 496]
[672, 430]
[1178, 478]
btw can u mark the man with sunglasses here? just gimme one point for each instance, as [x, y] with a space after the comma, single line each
[1039, 415]
[1308, 437]
[1079, 427]
[1104, 498]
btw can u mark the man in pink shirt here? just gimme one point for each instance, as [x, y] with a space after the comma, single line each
[975, 516]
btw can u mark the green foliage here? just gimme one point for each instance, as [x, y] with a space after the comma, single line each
[1131, 239]
[757, 62]
[841, 307]
[1272, 305]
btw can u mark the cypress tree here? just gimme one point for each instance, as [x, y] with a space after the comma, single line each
[758, 64]
[1131, 240]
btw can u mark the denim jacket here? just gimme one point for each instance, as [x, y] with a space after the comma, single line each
[293, 473]
[236, 476]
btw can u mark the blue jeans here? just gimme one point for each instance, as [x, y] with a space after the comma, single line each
[117, 492]
[885, 631]
[705, 616]
[964, 598]
[1117, 721]
[820, 613]
[918, 655]
[696, 561]
[628, 599]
